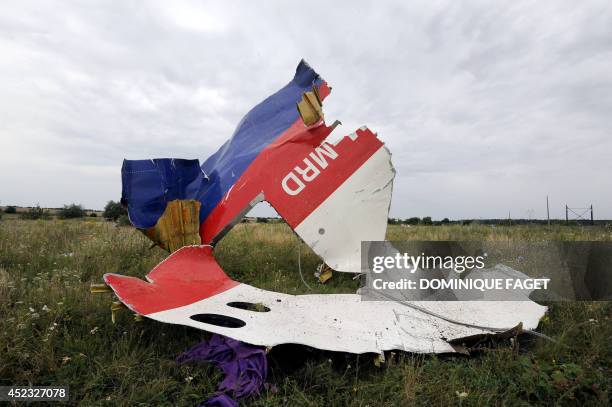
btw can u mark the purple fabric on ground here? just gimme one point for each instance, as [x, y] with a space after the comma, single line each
[245, 367]
[221, 400]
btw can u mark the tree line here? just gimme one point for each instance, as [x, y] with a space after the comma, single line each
[113, 211]
[418, 221]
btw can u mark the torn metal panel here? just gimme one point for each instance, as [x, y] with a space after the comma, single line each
[148, 185]
[320, 190]
[357, 210]
[189, 288]
[279, 154]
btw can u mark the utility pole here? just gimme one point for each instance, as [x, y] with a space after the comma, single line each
[547, 211]
[566, 216]
[592, 221]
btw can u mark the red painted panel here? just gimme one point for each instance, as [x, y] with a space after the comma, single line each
[188, 275]
[266, 174]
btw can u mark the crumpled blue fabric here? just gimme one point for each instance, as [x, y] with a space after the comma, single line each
[245, 367]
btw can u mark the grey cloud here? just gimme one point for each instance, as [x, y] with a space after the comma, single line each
[487, 107]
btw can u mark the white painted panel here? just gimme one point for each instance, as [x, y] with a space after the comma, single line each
[343, 322]
[357, 211]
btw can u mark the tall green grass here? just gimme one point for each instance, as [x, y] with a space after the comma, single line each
[53, 331]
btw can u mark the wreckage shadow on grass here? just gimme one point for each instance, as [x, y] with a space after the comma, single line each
[290, 359]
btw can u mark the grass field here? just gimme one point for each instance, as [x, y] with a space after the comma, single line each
[53, 331]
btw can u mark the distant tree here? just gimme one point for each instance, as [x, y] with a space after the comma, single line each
[412, 221]
[445, 221]
[262, 220]
[93, 215]
[71, 211]
[426, 220]
[35, 213]
[10, 209]
[113, 211]
[393, 221]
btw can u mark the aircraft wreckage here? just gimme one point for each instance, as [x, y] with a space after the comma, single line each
[333, 195]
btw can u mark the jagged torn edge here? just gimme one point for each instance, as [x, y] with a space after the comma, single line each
[337, 195]
[190, 288]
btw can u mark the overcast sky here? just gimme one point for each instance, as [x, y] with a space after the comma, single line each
[486, 107]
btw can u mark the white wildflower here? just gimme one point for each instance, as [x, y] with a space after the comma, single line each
[461, 395]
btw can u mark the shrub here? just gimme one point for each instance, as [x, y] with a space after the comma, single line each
[124, 220]
[262, 220]
[93, 215]
[412, 221]
[426, 220]
[10, 209]
[36, 213]
[71, 211]
[113, 211]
